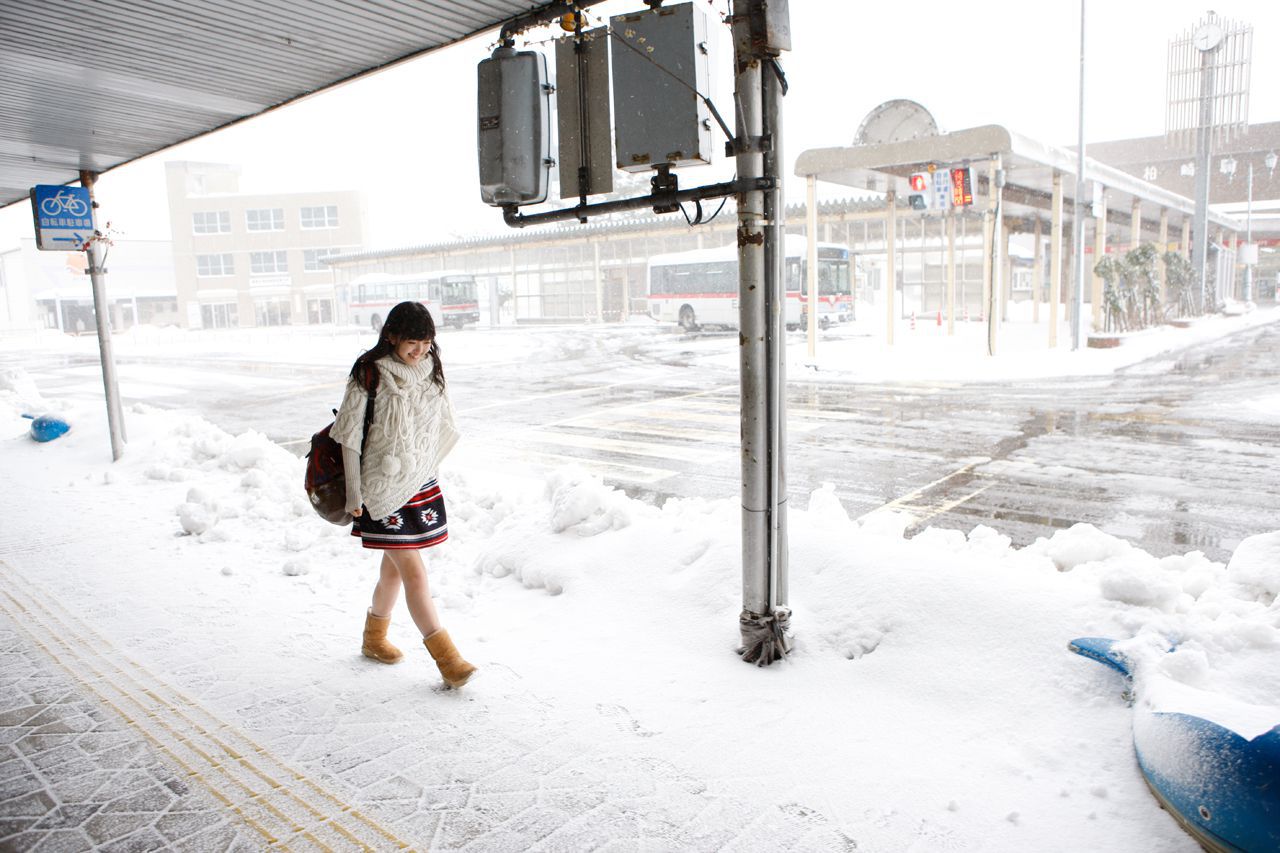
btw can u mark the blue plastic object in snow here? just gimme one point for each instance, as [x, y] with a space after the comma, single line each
[1221, 788]
[47, 427]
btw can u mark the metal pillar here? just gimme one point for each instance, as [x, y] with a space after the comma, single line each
[1099, 252]
[891, 271]
[765, 617]
[995, 250]
[102, 316]
[1037, 270]
[595, 272]
[1164, 247]
[1135, 224]
[1077, 217]
[1055, 258]
[1248, 242]
[951, 273]
[811, 279]
[1204, 143]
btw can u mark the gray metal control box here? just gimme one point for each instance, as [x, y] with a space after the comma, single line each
[514, 133]
[660, 64]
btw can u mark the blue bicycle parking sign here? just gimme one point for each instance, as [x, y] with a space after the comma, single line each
[63, 217]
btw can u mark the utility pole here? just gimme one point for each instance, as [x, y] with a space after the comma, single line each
[1077, 214]
[761, 30]
[1204, 141]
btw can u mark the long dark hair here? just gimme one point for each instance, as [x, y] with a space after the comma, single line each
[408, 321]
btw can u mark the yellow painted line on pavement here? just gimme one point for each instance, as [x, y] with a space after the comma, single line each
[950, 505]
[907, 498]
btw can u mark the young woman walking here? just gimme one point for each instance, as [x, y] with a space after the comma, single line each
[392, 492]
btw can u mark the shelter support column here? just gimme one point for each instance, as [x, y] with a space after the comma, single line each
[951, 273]
[1099, 252]
[995, 250]
[811, 255]
[1055, 258]
[891, 249]
[595, 267]
[1161, 271]
[1185, 248]
[1135, 225]
[1037, 270]
[1006, 275]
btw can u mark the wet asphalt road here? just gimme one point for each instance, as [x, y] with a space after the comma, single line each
[1164, 454]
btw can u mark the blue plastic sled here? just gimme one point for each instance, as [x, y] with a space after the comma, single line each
[47, 427]
[1223, 790]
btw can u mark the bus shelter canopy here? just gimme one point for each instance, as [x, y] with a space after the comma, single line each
[1029, 168]
[93, 86]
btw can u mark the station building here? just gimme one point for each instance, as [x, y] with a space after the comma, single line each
[255, 260]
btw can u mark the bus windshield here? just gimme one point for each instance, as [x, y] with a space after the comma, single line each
[833, 277]
[457, 290]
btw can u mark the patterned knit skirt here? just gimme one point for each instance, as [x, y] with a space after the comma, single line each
[420, 523]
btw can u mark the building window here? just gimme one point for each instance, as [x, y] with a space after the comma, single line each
[212, 265]
[313, 259]
[211, 222]
[219, 316]
[268, 263]
[319, 311]
[323, 216]
[265, 219]
[272, 312]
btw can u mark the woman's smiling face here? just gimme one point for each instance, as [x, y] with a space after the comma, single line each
[410, 351]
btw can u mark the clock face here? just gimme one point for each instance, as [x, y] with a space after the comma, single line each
[1207, 37]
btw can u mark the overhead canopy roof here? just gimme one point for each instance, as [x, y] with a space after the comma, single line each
[1029, 168]
[96, 85]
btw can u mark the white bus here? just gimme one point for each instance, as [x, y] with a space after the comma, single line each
[449, 296]
[700, 288]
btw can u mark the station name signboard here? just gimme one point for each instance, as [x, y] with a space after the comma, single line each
[63, 217]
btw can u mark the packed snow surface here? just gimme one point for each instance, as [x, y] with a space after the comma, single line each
[930, 703]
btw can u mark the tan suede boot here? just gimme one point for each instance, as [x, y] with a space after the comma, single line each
[455, 670]
[376, 645]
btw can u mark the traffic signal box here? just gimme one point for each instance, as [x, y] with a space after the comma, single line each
[940, 189]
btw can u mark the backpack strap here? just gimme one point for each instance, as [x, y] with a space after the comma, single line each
[371, 385]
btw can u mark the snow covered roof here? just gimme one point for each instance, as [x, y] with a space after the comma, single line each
[1029, 167]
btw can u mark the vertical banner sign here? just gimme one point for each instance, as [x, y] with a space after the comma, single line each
[961, 187]
[63, 217]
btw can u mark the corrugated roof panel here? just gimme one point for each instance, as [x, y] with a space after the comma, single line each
[96, 85]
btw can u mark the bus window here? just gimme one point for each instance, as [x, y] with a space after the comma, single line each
[833, 277]
[795, 274]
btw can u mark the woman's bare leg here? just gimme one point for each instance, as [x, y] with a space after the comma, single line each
[413, 575]
[388, 588]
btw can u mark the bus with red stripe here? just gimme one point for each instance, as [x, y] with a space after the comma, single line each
[700, 288]
[451, 297]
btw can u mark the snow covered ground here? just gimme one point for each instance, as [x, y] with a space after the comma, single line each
[931, 703]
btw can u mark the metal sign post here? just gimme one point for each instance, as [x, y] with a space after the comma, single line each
[64, 222]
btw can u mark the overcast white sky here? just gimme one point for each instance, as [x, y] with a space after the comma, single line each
[406, 138]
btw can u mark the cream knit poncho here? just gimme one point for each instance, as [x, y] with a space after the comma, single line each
[413, 429]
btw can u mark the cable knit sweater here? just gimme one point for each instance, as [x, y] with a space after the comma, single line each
[413, 429]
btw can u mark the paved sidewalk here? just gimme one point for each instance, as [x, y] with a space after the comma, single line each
[102, 752]
[75, 776]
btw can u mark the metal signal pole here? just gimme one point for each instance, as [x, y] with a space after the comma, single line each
[761, 29]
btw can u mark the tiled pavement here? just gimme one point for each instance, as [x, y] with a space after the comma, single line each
[74, 776]
[100, 753]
